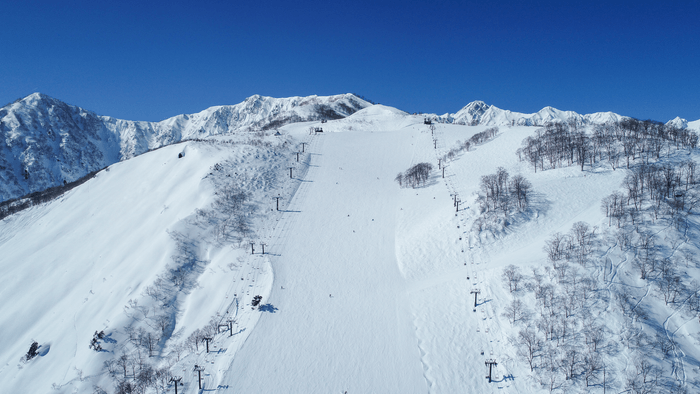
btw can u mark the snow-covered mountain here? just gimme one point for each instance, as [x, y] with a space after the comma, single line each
[480, 113]
[361, 285]
[48, 142]
[683, 123]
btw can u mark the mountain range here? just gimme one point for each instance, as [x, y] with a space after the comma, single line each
[48, 143]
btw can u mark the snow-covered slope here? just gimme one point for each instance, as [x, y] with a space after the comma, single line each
[48, 142]
[105, 256]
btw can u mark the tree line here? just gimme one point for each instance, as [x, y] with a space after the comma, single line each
[565, 144]
[562, 340]
[13, 206]
[668, 189]
[500, 193]
[415, 176]
[566, 340]
[476, 139]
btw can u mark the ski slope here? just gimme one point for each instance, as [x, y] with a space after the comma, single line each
[343, 321]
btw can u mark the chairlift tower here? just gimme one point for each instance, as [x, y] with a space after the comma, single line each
[176, 381]
[199, 370]
[476, 293]
[490, 363]
[278, 201]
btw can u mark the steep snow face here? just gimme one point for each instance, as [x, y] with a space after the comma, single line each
[480, 113]
[471, 113]
[48, 142]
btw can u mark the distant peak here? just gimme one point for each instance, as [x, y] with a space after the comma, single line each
[33, 100]
[476, 103]
[37, 97]
[678, 122]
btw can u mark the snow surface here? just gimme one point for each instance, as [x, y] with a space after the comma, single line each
[366, 287]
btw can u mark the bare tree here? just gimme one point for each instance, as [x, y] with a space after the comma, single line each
[513, 277]
[530, 346]
[399, 179]
[557, 247]
[521, 189]
[571, 361]
[418, 174]
[592, 365]
[515, 311]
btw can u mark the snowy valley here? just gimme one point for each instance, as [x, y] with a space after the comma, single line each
[328, 245]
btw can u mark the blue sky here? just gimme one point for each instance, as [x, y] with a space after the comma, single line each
[149, 60]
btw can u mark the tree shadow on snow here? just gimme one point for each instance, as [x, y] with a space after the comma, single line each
[44, 349]
[108, 338]
[267, 308]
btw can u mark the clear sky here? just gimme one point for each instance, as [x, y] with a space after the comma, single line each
[149, 60]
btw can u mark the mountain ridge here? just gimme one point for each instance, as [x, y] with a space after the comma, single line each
[49, 142]
[479, 113]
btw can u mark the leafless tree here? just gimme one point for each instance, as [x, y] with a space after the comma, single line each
[399, 179]
[521, 189]
[513, 277]
[515, 311]
[530, 346]
[592, 365]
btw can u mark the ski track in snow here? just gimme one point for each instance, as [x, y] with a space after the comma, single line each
[321, 307]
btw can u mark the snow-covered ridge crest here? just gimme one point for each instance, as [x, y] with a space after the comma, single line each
[48, 142]
[480, 113]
